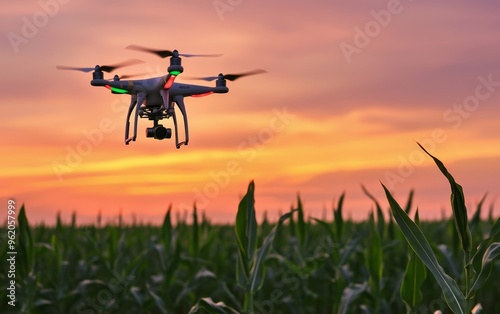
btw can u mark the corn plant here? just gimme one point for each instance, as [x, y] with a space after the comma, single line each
[458, 300]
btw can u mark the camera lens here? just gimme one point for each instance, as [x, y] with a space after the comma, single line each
[160, 132]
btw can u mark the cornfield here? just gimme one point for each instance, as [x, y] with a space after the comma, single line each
[390, 263]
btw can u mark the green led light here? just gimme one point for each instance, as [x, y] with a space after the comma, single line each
[119, 90]
[175, 72]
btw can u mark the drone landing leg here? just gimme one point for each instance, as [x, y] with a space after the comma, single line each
[140, 99]
[180, 103]
[176, 129]
[127, 125]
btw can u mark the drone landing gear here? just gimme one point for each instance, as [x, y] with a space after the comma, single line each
[133, 103]
[180, 103]
[158, 131]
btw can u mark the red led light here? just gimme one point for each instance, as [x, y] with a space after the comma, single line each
[204, 94]
[170, 81]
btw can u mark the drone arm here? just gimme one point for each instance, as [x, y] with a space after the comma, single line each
[127, 125]
[179, 100]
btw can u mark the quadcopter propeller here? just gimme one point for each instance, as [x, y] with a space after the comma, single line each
[126, 76]
[169, 53]
[104, 68]
[229, 77]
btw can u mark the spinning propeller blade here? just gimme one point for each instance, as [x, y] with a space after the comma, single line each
[126, 76]
[206, 55]
[104, 68]
[229, 77]
[63, 67]
[169, 53]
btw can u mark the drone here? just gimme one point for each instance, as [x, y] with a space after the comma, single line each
[155, 98]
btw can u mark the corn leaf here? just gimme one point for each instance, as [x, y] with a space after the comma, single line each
[416, 239]
[349, 295]
[301, 224]
[414, 276]
[326, 226]
[373, 255]
[409, 203]
[207, 305]
[339, 220]
[492, 252]
[160, 305]
[166, 229]
[476, 218]
[195, 243]
[246, 231]
[380, 215]
[26, 249]
[457, 205]
[257, 272]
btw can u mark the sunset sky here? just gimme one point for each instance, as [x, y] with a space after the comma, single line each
[351, 87]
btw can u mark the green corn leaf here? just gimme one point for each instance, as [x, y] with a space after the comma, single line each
[230, 295]
[349, 295]
[350, 248]
[339, 220]
[292, 226]
[42, 302]
[301, 224]
[452, 264]
[373, 256]
[476, 218]
[409, 203]
[136, 294]
[257, 272]
[414, 276]
[416, 239]
[160, 304]
[495, 229]
[112, 245]
[246, 229]
[166, 229]
[457, 205]
[174, 261]
[492, 252]
[26, 248]
[241, 272]
[380, 215]
[207, 305]
[195, 243]
[326, 226]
